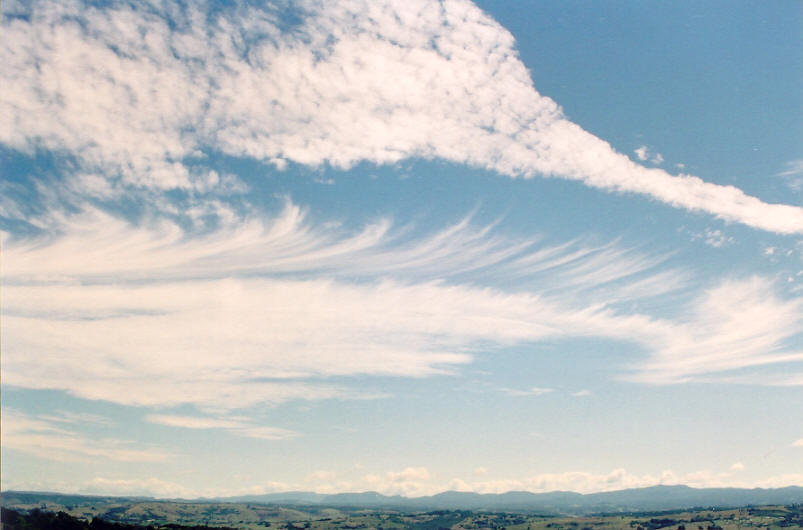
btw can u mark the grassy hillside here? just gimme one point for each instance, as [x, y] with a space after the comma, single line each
[151, 515]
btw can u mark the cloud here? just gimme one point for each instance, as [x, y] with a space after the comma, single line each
[794, 168]
[140, 486]
[418, 481]
[617, 479]
[147, 487]
[737, 466]
[236, 342]
[798, 443]
[409, 473]
[713, 238]
[581, 393]
[270, 310]
[246, 318]
[410, 482]
[39, 437]
[793, 174]
[578, 481]
[534, 391]
[238, 426]
[137, 94]
[641, 153]
[76, 418]
[732, 327]
[94, 246]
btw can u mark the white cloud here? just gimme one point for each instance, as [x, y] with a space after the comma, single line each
[410, 482]
[642, 153]
[94, 245]
[617, 479]
[39, 437]
[713, 238]
[148, 487]
[230, 340]
[534, 391]
[734, 326]
[798, 443]
[737, 466]
[76, 418]
[418, 481]
[131, 98]
[158, 318]
[119, 297]
[409, 473]
[581, 393]
[237, 425]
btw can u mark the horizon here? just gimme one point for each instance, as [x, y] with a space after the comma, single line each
[400, 246]
[406, 497]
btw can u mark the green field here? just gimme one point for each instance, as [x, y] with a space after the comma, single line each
[159, 514]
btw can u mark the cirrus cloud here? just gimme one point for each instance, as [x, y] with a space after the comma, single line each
[243, 316]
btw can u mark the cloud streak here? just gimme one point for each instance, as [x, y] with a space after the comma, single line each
[93, 246]
[147, 316]
[236, 425]
[136, 94]
[38, 436]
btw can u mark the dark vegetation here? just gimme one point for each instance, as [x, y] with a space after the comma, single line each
[37, 519]
[151, 515]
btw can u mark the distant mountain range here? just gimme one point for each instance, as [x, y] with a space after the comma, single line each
[655, 498]
[629, 500]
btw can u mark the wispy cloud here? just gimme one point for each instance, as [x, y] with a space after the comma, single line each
[94, 246]
[793, 174]
[794, 168]
[534, 391]
[236, 425]
[271, 310]
[80, 80]
[76, 418]
[39, 437]
[734, 326]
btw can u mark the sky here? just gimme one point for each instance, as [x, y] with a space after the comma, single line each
[400, 246]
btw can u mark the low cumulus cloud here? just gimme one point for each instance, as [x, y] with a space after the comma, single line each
[134, 93]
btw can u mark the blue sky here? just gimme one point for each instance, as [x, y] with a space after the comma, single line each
[400, 246]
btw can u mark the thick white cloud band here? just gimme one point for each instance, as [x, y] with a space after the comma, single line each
[132, 92]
